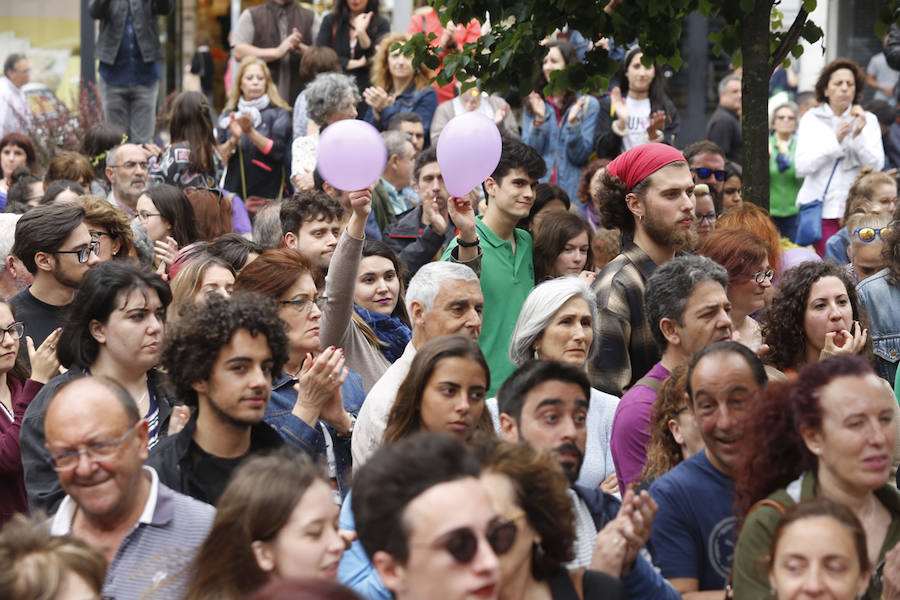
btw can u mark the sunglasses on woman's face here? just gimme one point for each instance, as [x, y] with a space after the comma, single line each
[462, 544]
[704, 173]
[868, 234]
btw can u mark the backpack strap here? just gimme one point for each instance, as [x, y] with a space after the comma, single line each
[650, 382]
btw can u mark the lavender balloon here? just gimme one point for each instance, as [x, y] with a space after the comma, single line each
[352, 155]
[468, 152]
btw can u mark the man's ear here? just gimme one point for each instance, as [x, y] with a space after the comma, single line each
[417, 313]
[670, 330]
[44, 261]
[290, 240]
[200, 386]
[264, 556]
[110, 174]
[635, 205]
[509, 429]
[490, 186]
[391, 572]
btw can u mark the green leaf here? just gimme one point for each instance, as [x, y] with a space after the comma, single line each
[797, 51]
[809, 6]
[705, 7]
[748, 5]
[811, 32]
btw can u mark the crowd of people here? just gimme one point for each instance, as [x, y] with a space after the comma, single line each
[603, 373]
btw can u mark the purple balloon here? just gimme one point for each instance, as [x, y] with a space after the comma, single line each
[352, 155]
[792, 257]
[468, 152]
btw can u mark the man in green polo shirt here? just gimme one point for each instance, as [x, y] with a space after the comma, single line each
[507, 270]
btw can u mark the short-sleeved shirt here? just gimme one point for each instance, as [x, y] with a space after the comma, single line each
[507, 278]
[40, 319]
[694, 530]
[631, 428]
[884, 75]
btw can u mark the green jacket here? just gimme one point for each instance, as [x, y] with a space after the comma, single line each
[751, 580]
[783, 186]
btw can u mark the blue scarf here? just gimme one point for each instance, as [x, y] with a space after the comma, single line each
[390, 330]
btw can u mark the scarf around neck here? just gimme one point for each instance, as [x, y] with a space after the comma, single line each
[390, 330]
[248, 107]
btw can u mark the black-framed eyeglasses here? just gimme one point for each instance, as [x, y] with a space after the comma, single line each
[143, 215]
[15, 331]
[65, 461]
[304, 304]
[84, 253]
[462, 544]
[704, 173]
[709, 217]
[131, 165]
[869, 234]
[763, 276]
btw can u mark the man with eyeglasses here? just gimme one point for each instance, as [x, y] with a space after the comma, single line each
[688, 309]
[97, 444]
[544, 404]
[427, 524]
[221, 357]
[55, 245]
[707, 162]
[127, 168]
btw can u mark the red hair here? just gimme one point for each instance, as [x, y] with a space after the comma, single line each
[752, 218]
[739, 251]
[274, 272]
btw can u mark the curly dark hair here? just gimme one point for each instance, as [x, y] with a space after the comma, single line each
[193, 345]
[891, 251]
[611, 203]
[783, 329]
[663, 452]
[540, 488]
[773, 453]
[841, 63]
[584, 184]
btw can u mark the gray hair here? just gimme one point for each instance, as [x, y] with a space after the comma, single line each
[267, 226]
[327, 93]
[723, 85]
[426, 283]
[7, 235]
[538, 310]
[143, 245]
[791, 105]
[670, 285]
[395, 141]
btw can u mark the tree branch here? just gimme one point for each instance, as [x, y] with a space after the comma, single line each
[788, 41]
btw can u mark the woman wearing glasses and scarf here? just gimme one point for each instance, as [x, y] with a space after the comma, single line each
[880, 295]
[315, 400]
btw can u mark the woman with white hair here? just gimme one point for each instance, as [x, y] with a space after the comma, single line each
[557, 322]
[331, 97]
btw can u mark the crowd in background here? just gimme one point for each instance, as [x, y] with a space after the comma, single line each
[603, 373]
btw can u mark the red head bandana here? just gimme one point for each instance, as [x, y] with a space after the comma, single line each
[634, 166]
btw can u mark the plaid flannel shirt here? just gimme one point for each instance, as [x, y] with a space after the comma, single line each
[627, 349]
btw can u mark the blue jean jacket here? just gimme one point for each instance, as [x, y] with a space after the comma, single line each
[311, 439]
[567, 146]
[882, 303]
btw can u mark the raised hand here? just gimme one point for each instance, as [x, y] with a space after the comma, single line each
[536, 102]
[44, 361]
[657, 123]
[319, 384]
[575, 111]
[376, 97]
[462, 213]
[845, 342]
[620, 108]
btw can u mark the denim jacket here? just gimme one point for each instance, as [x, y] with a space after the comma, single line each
[567, 146]
[882, 300]
[112, 15]
[312, 439]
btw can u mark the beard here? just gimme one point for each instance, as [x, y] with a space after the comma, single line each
[64, 279]
[669, 234]
[571, 470]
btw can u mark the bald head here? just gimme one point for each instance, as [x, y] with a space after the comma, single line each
[95, 399]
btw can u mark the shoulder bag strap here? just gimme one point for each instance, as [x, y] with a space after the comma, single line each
[243, 179]
[650, 382]
[729, 590]
[833, 169]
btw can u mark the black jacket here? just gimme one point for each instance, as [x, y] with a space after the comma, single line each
[609, 145]
[173, 460]
[41, 482]
[263, 173]
[416, 244]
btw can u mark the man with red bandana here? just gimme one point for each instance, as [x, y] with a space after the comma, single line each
[648, 194]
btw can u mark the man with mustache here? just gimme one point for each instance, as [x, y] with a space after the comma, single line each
[545, 404]
[97, 444]
[648, 194]
[127, 170]
[694, 532]
[688, 309]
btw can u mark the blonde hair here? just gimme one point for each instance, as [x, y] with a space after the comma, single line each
[187, 281]
[271, 89]
[873, 219]
[381, 75]
[863, 188]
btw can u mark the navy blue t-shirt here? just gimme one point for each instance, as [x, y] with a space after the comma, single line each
[694, 530]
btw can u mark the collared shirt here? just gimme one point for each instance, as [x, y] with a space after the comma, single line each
[627, 349]
[507, 278]
[154, 559]
[399, 202]
[111, 198]
[373, 416]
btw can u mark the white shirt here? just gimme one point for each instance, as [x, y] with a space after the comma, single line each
[13, 106]
[638, 121]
